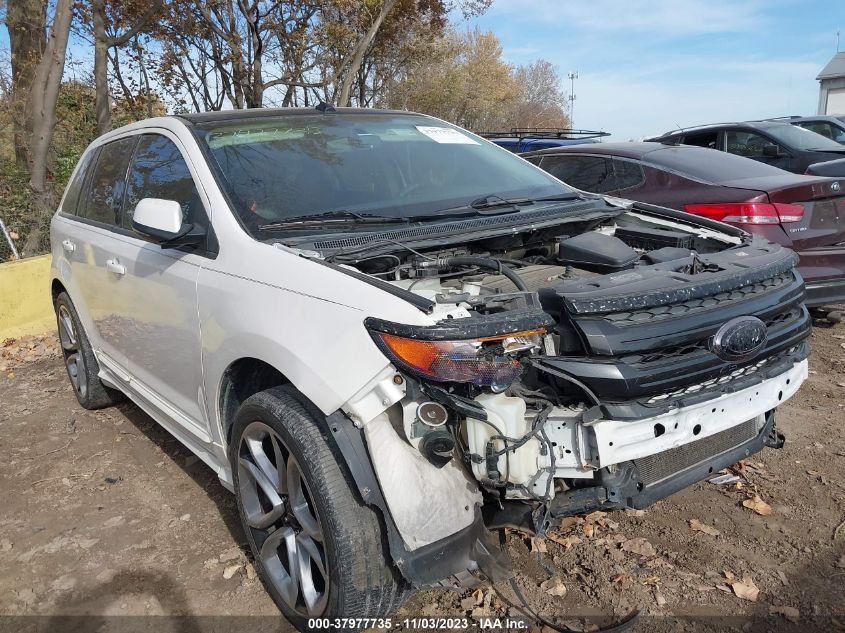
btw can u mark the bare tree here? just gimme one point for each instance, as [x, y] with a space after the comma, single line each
[26, 21]
[43, 94]
[353, 66]
[103, 40]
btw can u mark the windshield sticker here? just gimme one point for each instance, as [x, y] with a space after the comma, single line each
[445, 135]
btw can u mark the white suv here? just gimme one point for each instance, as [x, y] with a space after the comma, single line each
[391, 338]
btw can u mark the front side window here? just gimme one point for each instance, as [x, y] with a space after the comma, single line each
[588, 173]
[159, 171]
[394, 165]
[105, 198]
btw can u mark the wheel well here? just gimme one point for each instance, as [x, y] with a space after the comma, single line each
[56, 288]
[242, 379]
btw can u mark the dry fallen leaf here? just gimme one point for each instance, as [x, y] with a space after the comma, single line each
[231, 570]
[554, 587]
[588, 530]
[634, 513]
[758, 505]
[698, 526]
[651, 580]
[568, 522]
[538, 545]
[566, 541]
[638, 546]
[745, 589]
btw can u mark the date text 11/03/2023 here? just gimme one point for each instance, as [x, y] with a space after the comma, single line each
[422, 623]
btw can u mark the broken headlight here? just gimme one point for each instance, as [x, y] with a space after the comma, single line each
[486, 361]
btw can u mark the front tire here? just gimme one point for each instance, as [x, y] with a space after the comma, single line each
[80, 362]
[318, 549]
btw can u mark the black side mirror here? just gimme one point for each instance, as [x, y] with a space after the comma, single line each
[772, 151]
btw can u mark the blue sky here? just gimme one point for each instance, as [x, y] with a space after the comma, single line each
[647, 66]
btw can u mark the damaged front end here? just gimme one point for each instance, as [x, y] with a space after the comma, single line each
[563, 374]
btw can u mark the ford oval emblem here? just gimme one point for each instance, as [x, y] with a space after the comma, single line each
[834, 187]
[740, 339]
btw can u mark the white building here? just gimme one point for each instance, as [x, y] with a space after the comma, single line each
[832, 86]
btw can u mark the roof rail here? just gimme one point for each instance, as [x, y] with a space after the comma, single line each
[546, 132]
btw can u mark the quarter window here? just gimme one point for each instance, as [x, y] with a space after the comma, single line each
[588, 173]
[159, 171]
[71, 200]
[703, 139]
[628, 174]
[108, 182]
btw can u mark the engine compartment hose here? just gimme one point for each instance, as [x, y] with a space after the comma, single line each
[481, 262]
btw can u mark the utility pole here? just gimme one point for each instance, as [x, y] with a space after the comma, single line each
[573, 75]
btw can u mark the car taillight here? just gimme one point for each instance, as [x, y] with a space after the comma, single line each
[749, 212]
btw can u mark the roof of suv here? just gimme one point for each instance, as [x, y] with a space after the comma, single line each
[261, 113]
[757, 125]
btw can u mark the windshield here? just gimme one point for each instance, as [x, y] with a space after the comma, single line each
[362, 164]
[802, 139]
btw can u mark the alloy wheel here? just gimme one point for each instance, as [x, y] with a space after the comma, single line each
[280, 513]
[74, 360]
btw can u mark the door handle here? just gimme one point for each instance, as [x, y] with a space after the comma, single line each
[68, 246]
[115, 267]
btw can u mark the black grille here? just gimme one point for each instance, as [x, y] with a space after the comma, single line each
[655, 468]
[684, 308]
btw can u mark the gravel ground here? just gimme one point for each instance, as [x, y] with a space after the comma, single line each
[104, 515]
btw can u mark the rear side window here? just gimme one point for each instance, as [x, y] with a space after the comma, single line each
[703, 139]
[74, 187]
[702, 164]
[746, 144]
[825, 129]
[588, 173]
[105, 198]
[628, 174]
[159, 171]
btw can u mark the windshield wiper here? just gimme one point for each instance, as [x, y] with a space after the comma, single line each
[340, 215]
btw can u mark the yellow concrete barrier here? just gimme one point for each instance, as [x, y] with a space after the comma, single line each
[25, 298]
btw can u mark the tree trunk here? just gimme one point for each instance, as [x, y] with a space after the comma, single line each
[101, 77]
[359, 51]
[42, 105]
[26, 21]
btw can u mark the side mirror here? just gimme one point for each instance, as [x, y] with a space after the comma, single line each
[771, 151]
[161, 221]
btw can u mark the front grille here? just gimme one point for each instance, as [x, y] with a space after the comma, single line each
[735, 374]
[690, 306]
[655, 468]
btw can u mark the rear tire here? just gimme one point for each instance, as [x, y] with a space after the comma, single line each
[318, 549]
[80, 362]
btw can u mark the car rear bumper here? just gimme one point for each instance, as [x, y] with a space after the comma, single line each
[829, 292]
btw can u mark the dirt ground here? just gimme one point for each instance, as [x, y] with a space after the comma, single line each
[104, 514]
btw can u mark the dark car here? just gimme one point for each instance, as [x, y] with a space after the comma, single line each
[775, 143]
[832, 127]
[805, 213]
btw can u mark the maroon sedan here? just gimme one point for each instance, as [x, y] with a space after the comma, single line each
[805, 213]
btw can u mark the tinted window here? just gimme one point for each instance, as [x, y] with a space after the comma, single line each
[105, 198]
[383, 164]
[703, 164]
[628, 174]
[589, 173]
[748, 144]
[702, 139]
[71, 199]
[159, 171]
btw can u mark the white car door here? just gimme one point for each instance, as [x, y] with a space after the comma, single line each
[156, 305]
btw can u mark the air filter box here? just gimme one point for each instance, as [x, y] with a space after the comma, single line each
[652, 238]
[596, 251]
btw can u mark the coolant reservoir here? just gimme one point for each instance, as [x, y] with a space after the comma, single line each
[508, 415]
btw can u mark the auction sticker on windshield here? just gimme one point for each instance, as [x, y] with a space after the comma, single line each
[445, 135]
